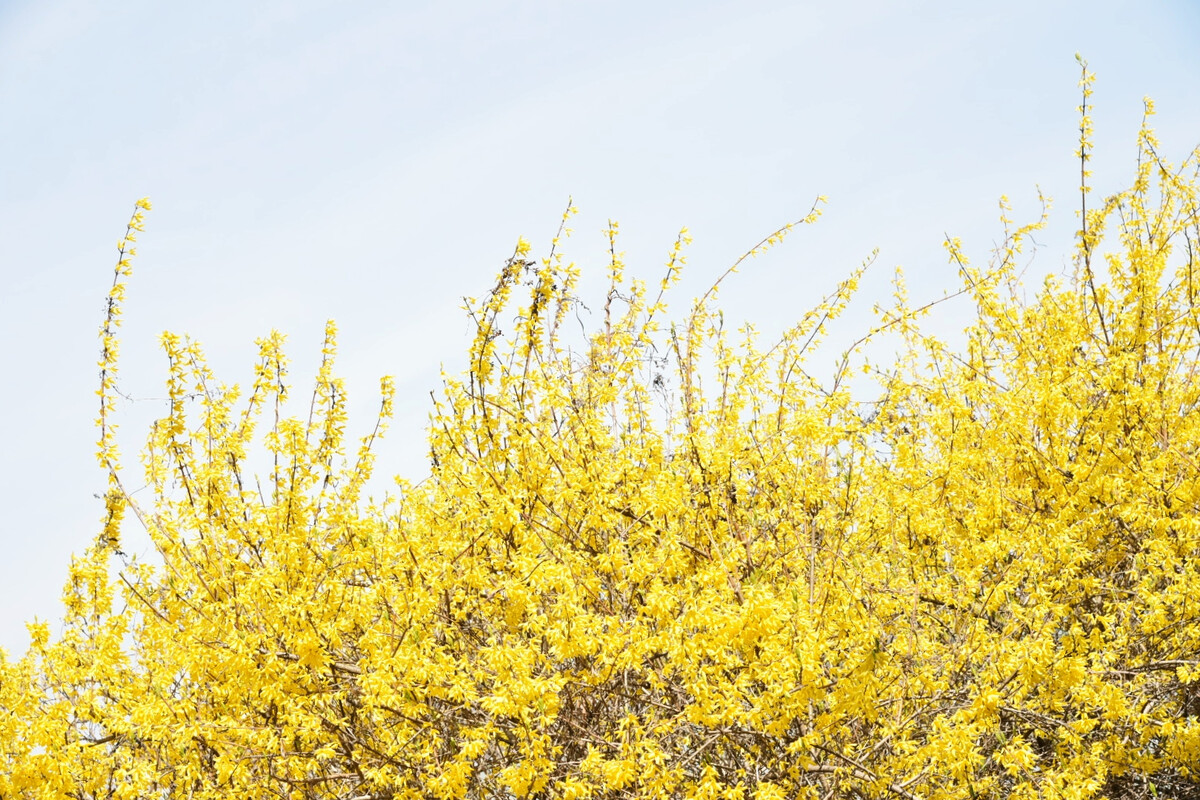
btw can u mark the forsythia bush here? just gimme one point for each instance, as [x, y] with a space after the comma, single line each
[667, 565]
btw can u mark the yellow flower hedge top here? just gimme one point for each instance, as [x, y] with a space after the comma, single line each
[665, 565]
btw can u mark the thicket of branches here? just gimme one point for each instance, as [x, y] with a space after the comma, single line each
[981, 583]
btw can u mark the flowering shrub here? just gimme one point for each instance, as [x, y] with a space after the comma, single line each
[702, 575]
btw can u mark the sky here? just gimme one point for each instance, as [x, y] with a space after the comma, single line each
[375, 162]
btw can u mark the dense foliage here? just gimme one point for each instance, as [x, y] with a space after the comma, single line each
[665, 565]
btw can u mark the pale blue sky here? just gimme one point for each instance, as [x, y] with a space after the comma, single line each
[373, 162]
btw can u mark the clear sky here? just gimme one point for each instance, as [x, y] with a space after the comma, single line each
[374, 162]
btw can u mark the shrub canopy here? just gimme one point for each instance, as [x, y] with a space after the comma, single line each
[666, 564]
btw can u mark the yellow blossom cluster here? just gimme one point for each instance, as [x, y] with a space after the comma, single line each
[979, 582]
